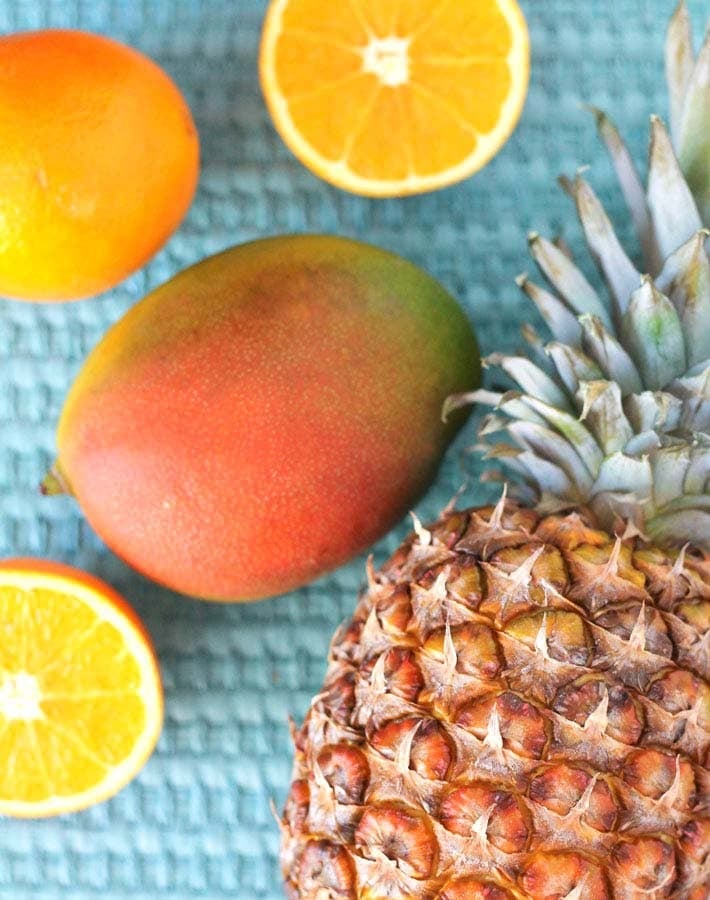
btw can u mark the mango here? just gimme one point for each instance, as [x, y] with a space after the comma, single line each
[265, 415]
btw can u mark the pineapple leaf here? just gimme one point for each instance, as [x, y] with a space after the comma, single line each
[550, 478]
[670, 468]
[572, 429]
[573, 366]
[622, 399]
[631, 187]
[620, 472]
[652, 331]
[685, 280]
[611, 357]
[509, 403]
[549, 445]
[685, 513]
[689, 502]
[694, 141]
[643, 444]
[531, 379]
[673, 211]
[562, 323]
[679, 66]
[674, 528]
[602, 411]
[537, 347]
[492, 424]
[562, 273]
[694, 391]
[698, 475]
[617, 269]
[656, 411]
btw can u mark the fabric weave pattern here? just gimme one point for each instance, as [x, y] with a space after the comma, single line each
[196, 822]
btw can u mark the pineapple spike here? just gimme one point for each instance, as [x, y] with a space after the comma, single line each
[493, 739]
[403, 755]
[631, 531]
[611, 569]
[522, 575]
[450, 654]
[541, 639]
[499, 509]
[577, 892]
[423, 535]
[679, 564]
[598, 721]
[370, 572]
[458, 494]
[637, 638]
[674, 792]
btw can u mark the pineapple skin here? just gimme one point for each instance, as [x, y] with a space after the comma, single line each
[519, 708]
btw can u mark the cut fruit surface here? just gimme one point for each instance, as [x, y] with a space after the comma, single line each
[394, 97]
[80, 695]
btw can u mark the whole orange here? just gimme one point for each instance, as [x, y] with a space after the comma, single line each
[99, 159]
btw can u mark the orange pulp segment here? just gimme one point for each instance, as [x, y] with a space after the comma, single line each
[80, 694]
[394, 97]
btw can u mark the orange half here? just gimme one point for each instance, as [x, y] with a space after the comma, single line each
[81, 703]
[392, 97]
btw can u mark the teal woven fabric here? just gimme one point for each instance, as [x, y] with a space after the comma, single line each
[196, 822]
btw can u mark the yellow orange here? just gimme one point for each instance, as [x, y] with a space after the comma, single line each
[394, 97]
[98, 163]
[80, 695]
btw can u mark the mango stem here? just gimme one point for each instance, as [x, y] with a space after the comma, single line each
[54, 483]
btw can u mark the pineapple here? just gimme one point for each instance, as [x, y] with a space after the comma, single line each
[520, 706]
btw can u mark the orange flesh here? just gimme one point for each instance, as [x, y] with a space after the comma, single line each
[80, 701]
[394, 90]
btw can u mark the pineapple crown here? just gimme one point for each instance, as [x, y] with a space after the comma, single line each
[614, 412]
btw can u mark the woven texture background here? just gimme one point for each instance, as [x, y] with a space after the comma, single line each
[196, 823]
